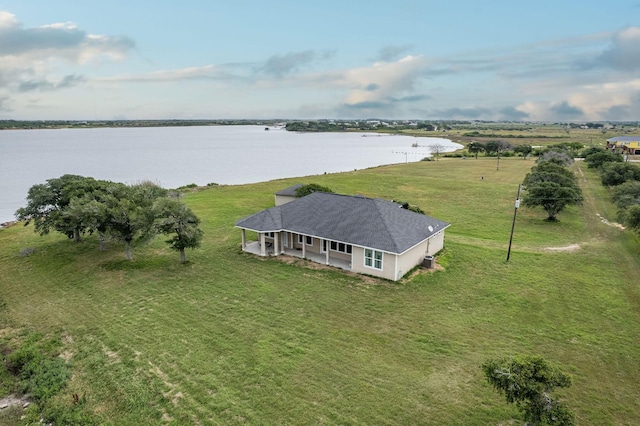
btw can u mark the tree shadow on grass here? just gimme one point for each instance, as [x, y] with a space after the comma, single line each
[143, 262]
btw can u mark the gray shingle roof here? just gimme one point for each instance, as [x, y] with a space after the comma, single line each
[624, 139]
[362, 221]
[290, 191]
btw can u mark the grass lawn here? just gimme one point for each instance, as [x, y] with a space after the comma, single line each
[231, 338]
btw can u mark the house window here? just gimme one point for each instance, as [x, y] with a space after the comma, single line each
[324, 246]
[269, 234]
[373, 258]
[299, 238]
[341, 247]
[309, 241]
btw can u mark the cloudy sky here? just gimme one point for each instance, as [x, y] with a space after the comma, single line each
[555, 60]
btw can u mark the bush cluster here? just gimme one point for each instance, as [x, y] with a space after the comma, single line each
[42, 375]
[623, 178]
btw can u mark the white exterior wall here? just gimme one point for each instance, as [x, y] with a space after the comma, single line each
[283, 199]
[436, 243]
[394, 266]
[409, 259]
[388, 265]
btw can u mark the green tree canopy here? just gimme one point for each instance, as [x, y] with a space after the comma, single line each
[551, 186]
[497, 147]
[595, 160]
[525, 150]
[626, 194]
[475, 148]
[631, 217]
[591, 150]
[130, 213]
[309, 188]
[175, 218]
[47, 205]
[527, 382]
[615, 173]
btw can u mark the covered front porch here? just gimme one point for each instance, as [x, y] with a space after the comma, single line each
[257, 248]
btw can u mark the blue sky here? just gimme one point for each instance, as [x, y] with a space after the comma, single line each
[408, 59]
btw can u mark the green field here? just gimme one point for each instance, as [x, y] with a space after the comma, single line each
[230, 338]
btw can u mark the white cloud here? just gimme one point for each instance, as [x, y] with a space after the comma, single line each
[206, 72]
[31, 57]
[383, 80]
[7, 20]
[624, 51]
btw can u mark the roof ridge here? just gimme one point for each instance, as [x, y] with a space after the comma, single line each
[384, 221]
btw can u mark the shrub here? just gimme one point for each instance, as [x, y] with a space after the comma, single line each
[312, 187]
[614, 173]
[558, 157]
[44, 377]
[597, 159]
[189, 186]
[626, 194]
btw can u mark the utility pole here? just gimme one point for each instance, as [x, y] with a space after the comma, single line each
[513, 225]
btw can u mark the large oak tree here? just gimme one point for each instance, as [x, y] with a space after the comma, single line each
[552, 187]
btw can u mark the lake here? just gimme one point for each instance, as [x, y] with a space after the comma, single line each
[177, 156]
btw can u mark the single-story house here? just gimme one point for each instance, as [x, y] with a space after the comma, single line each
[627, 144]
[288, 194]
[365, 235]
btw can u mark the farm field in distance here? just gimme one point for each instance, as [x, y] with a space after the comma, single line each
[231, 338]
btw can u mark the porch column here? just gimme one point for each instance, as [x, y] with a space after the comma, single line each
[244, 240]
[263, 248]
[328, 246]
[276, 243]
[304, 246]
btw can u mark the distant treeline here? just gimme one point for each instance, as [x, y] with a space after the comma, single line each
[497, 135]
[60, 124]
[316, 126]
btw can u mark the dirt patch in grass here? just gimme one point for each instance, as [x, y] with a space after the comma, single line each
[606, 222]
[569, 248]
[66, 355]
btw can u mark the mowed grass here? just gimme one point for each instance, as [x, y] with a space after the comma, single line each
[231, 338]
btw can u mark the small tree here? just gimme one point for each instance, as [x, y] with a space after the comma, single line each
[475, 148]
[498, 147]
[437, 149]
[175, 218]
[528, 381]
[309, 188]
[525, 150]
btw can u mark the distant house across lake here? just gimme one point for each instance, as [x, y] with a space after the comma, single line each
[625, 144]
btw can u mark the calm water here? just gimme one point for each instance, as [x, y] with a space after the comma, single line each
[176, 156]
